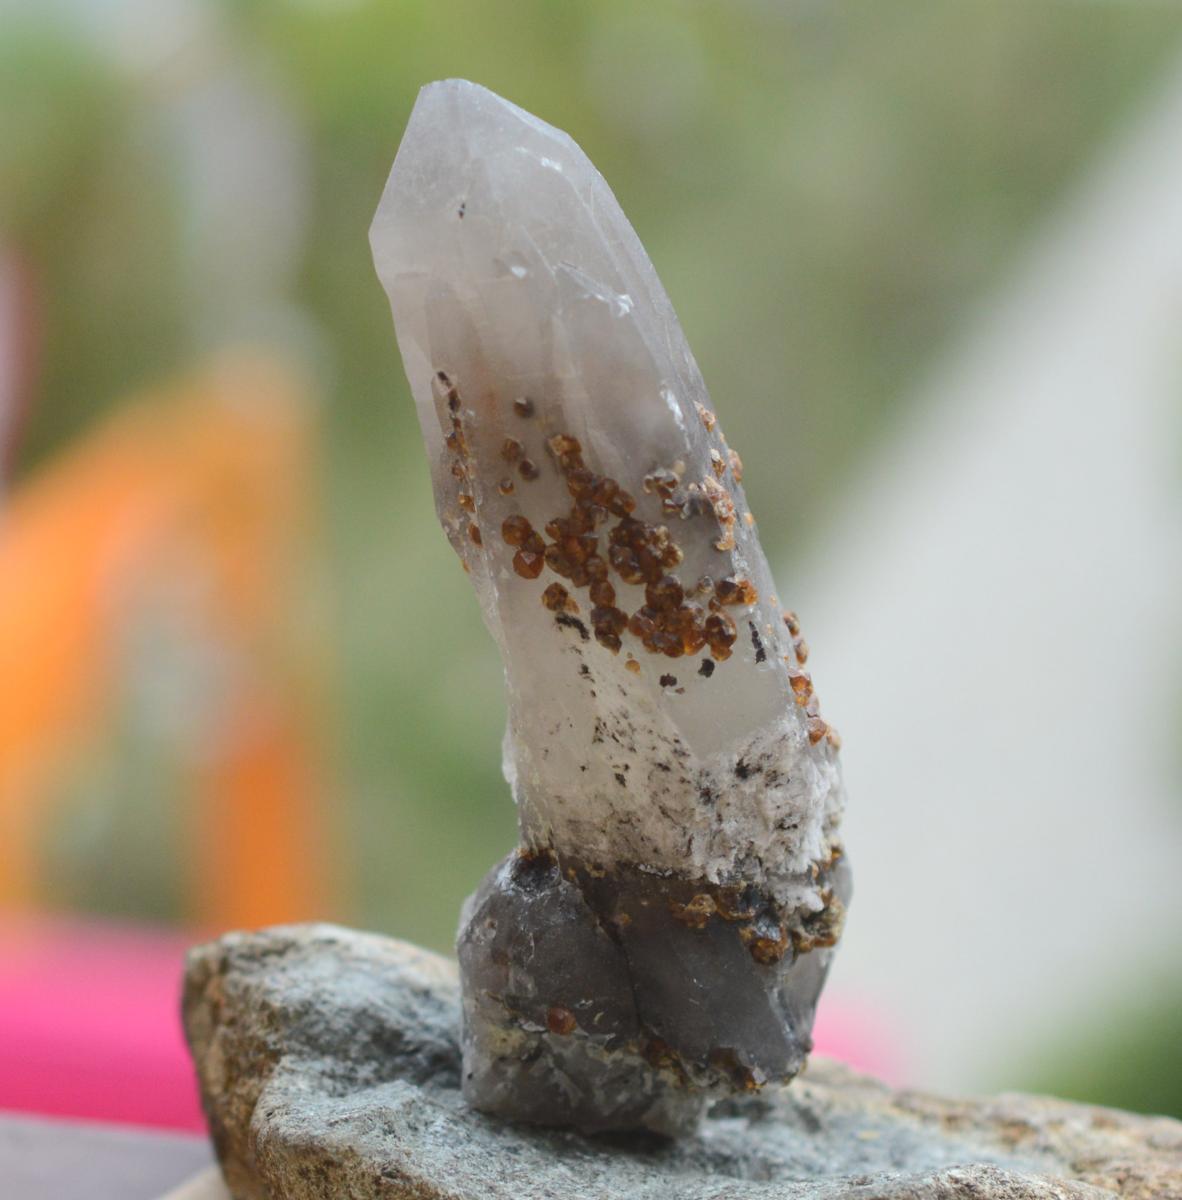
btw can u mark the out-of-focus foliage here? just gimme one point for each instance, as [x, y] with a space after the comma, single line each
[87, 201]
[1124, 1059]
[826, 190]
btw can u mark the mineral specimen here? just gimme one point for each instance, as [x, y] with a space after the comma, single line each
[662, 935]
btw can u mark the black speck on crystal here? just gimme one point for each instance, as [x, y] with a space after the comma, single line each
[760, 652]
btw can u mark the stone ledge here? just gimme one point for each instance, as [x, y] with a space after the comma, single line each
[329, 1066]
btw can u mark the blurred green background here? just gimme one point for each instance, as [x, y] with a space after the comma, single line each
[826, 189]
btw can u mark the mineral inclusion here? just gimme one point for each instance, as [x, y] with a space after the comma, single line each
[659, 940]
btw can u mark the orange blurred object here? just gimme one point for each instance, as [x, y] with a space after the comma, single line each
[195, 496]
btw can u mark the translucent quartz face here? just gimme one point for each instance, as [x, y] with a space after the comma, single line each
[658, 709]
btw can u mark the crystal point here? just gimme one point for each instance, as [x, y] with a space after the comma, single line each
[673, 776]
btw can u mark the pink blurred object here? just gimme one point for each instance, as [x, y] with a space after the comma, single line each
[90, 1023]
[862, 1036]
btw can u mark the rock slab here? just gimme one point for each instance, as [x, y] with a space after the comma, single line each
[329, 1065]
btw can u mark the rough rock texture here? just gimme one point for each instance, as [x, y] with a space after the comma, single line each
[329, 1066]
[664, 743]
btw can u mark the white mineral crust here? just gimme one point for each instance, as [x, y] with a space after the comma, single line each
[666, 721]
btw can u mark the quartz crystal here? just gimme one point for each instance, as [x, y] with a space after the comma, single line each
[661, 936]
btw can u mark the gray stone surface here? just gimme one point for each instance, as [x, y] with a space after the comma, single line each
[329, 1065]
[43, 1159]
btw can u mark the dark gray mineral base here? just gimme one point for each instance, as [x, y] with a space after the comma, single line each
[626, 1000]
